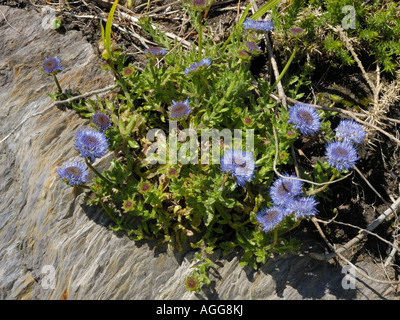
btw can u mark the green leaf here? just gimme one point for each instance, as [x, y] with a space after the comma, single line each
[263, 10]
[133, 124]
[209, 217]
[132, 143]
[246, 258]
[56, 23]
[284, 70]
[225, 215]
[107, 36]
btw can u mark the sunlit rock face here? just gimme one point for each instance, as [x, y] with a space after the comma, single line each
[54, 247]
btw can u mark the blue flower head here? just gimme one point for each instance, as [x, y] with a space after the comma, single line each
[91, 143]
[240, 164]
[155, 52]
[305, 118]
[102, 121]
[244, 167]
[341, 154]
[51, 65]
[258, 25]
[73, 172]
[285, 189]
[303, 207]
[227, 164]
[270, 218]
[179, 109]
[350, 130]
[198, 66]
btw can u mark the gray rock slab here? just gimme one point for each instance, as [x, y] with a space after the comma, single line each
[53, 247]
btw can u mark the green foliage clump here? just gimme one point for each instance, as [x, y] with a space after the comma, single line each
[191, 201]
[373, 26]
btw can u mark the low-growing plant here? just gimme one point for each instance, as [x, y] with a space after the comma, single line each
[374, 27]
[163, 184]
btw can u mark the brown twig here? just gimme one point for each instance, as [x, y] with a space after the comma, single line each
[85, 95]
[394, 246]
[362, 273]
[9, 23]
[360, 236]
[370, 185]
[238, 11]
[55, 104]
[337, 252]
[281, 91]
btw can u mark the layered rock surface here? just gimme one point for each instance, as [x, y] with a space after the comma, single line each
[46, 233]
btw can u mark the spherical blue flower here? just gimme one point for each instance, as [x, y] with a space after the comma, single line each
[341, 154]
[198, 65]
[227, 163]
[285, 189]
[302, 207]
[270, 218]
[155, 52]
[350, 130]
[102, 121]
[240, 164]
[91, 143]
[243, 167]
[258, 25]
[179, 109]
[305, 118]
[74, 172]
[51, 65]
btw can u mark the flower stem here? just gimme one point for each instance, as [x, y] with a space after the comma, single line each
[200, 32]
[295, 225]
[98, 173]
[274, 240]
[321, 188]
[207, 85]
[224, 181]
[120, 80]
[153, 72]
[57, 83]
[109, 212]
